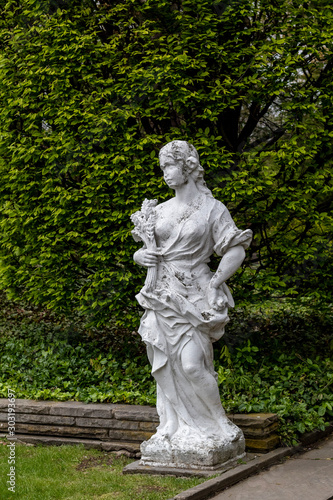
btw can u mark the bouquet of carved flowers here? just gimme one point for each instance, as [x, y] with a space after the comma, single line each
[144, 223]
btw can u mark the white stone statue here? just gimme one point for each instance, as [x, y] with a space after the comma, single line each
[186, 309]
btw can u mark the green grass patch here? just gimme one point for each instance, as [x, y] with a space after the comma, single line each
[73, 473]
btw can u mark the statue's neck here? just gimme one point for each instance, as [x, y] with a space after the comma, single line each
[187, 193]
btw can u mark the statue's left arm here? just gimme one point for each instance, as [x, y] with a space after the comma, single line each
[229, 264]
[230, 244]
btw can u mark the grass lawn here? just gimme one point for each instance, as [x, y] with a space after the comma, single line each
[74, 473]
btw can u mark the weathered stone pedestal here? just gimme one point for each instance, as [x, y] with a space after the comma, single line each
[186, 456]
[190, 452]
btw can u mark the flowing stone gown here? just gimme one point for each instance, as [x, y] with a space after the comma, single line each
[177, 311]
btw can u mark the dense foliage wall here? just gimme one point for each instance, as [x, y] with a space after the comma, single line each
[90, 91]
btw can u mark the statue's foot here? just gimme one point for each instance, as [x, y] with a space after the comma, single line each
[166, 431]
[156, 450]
[231, 431]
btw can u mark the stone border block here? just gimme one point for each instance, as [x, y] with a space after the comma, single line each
[254, 420]
[142, 414]
[39, 419]
[61, 431]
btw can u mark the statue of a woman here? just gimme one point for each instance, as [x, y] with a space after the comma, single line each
[186, 309]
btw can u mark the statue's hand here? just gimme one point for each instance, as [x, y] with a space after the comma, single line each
[146, 258]
[216, 297]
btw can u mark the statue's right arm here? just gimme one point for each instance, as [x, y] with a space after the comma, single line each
[146, 258]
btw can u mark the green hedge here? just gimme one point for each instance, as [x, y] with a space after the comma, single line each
[89, 92]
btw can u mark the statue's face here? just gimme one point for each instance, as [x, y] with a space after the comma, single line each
[172, 171]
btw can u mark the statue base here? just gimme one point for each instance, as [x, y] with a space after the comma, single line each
[192, 451]
[161, 470]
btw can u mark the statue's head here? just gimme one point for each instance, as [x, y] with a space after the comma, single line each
[186, 155]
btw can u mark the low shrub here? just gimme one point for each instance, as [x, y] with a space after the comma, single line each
[298, 390]
[40, 367]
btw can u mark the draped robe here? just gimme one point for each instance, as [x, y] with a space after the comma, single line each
[177, 311]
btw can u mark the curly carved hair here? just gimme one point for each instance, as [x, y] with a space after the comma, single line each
[186, 152]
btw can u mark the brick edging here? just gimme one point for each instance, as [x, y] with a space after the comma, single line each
[111, 423]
